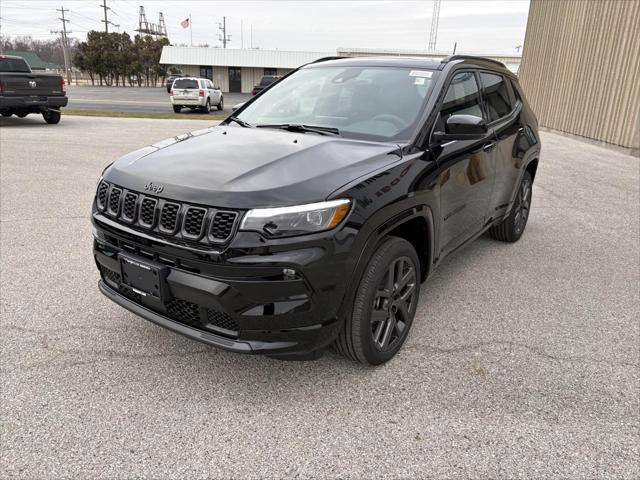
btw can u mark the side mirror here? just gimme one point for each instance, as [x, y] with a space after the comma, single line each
[216, 88]
[462, 127]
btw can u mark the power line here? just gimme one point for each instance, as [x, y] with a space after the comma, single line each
[87, 18]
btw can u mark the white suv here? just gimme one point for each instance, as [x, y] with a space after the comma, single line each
[195, 93]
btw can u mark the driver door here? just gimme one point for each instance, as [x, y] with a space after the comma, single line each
[466, 167]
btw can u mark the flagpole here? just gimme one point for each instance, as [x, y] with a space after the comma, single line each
[191, 30]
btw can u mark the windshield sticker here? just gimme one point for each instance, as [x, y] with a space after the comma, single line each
[420, 73]
[418, 81]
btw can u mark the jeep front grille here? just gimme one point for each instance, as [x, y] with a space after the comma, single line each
[167, 218]
[222, 225]
[148, 212]
[194, 221]
[114, 201]
[129, 207]
[101, 197]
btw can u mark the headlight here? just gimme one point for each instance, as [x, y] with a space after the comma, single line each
[298, 220]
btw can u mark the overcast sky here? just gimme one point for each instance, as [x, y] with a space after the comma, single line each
[478, 26]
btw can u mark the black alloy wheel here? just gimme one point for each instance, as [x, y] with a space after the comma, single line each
[523, 202]
[512, 226]
[385, 303]
[392, 304]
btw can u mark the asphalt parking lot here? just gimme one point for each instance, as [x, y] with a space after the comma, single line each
[523, 360]
[134, 99]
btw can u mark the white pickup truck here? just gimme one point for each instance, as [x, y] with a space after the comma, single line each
[195, 93]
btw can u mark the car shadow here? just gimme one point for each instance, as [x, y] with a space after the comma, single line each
[32, 120]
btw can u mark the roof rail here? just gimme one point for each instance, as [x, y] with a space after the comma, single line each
[326, 59]
[451, 58]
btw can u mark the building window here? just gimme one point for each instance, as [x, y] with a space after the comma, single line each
[270, 71]
[206, 72]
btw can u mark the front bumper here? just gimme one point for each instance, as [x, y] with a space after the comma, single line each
[244, 304]
[290, 341]
[35, 103]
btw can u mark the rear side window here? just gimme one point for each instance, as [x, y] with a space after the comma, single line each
[14, 65]
[496, 94]
[266, 81]
[185, 83]
[463, 97]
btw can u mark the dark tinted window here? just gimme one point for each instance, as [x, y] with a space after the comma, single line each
[267, 80]
[463, 97]
[185, 83]
[14, 65]
[496, 94]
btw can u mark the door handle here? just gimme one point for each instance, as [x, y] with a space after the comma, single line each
[489, 146]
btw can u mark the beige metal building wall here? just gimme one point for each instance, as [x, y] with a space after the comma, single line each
[581, 68]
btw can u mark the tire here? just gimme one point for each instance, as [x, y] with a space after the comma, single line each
[221, 104]
[512, 227]
[207, 106]
[384, 305]
[21, 114]
[6, 114]
[177, 108]
[51, 117]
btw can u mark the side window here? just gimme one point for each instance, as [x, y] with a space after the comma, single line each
[463, 97]
[209, 85]
[496, 94]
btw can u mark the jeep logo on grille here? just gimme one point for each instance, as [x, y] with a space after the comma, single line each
[150, 187]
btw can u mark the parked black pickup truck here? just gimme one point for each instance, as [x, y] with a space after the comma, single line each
[23, 92]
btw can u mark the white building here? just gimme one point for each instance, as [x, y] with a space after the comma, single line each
[235, 70]
[238, 70]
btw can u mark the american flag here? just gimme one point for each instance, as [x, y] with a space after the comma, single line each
[185, 23]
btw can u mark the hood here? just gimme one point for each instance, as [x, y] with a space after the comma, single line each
[243, 168]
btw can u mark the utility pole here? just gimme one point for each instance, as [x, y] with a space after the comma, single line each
[223, 37]
[106, 20]
[435, 18]
[65, 42]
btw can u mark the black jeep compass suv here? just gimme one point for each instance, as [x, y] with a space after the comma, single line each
[310, 216]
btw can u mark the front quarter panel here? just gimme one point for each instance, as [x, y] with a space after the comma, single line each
[384, 200]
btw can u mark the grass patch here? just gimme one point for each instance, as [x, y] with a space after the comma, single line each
[178, 116]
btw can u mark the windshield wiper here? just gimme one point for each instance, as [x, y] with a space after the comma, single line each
[294, 127]
[239, 121]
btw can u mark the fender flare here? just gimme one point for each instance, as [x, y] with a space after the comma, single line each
[374, 239]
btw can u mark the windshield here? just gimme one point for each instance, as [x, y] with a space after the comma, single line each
[186, 83]
[374, 103]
